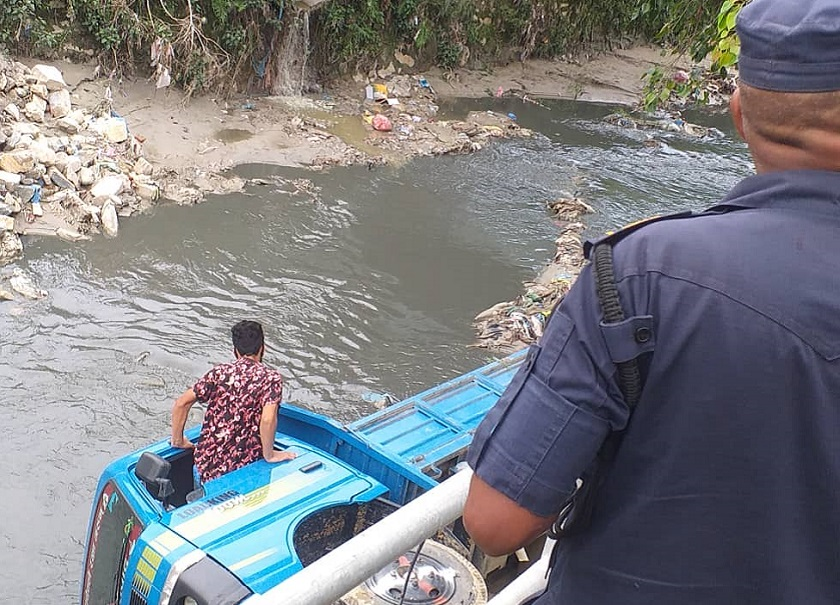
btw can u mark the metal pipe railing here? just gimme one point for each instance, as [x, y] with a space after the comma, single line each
[329, 578]
[326, 580]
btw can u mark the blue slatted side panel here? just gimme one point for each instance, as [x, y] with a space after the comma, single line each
[439, 423]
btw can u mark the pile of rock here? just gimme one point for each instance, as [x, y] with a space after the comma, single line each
[64, 171]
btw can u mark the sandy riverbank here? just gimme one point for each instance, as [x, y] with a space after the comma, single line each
[204, 136]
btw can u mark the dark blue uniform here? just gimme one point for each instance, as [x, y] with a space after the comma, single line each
[726, 486]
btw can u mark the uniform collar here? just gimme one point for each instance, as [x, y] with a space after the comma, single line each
[793, 188]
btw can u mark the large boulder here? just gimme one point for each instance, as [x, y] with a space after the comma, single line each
[19, 161]
[35, 109]
[60, 104]
[49, 76]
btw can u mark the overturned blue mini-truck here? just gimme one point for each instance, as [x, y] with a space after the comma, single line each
[152, 539]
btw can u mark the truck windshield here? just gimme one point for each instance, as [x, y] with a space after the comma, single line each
[113, 532]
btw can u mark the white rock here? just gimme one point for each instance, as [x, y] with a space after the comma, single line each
[35, 109]
[68, 125]
[115, 130]
[40, 90]
[86, 176]
[70, 235]
[9, 179]
[68, 164]
[13, 202]
[60, 104]
[107, 186]
[79, 116]
[110, 222]
[13, 110]
[43, 152]
[7, 223]
[49, 75]
[23, 128]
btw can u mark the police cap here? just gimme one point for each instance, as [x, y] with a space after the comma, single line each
[790, 45]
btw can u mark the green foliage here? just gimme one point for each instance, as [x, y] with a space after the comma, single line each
[679, 88]
[217, 42]
[713, 36]
[25, 26]
[727, 47]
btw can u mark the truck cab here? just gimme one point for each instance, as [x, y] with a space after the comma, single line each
[154, 539]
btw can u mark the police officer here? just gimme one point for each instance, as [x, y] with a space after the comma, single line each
[725, 483]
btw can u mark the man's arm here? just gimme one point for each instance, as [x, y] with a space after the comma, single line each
[180, 411]
[487, 510]
[268, 427]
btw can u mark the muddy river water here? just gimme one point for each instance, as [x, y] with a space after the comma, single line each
[369, 287]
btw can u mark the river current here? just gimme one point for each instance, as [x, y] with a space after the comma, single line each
[370, 286]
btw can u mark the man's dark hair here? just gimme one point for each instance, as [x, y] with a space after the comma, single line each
[247, 337]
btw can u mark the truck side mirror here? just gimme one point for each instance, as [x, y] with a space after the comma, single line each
[154, 472]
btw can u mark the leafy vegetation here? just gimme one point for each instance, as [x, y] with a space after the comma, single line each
[205, 44]
[712, 36]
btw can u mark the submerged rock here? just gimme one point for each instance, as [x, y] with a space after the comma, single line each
[23, 285]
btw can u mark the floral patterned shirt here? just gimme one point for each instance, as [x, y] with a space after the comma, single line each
[235, 394]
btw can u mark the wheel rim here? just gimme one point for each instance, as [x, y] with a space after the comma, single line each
[432, 582]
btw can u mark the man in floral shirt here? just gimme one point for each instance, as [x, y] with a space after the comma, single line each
[242, 400]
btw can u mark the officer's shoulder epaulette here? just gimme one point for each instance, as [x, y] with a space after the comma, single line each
[612, 237]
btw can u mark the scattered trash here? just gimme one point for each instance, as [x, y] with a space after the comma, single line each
[500, 92]
[665, 122]
[381, 123]
[512, 116]
[509, 326]
[380, 92]
[369, 92]
[379, 400]
[248, 106]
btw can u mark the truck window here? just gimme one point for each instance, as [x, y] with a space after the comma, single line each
[113, 532]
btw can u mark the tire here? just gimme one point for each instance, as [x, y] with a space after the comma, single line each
[441, 575]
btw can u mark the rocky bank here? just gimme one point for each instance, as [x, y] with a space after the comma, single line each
[66, 171]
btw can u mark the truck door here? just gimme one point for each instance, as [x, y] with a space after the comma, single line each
[114, 529]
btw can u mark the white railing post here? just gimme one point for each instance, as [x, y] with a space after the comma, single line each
[528, 584]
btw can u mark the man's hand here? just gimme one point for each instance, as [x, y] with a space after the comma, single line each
[182, 443]
[280, 456]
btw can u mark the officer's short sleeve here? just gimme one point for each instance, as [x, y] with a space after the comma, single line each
[548, 425]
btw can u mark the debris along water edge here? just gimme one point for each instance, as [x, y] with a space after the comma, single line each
[509, 326]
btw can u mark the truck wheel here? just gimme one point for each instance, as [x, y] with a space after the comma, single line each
[440, 576]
